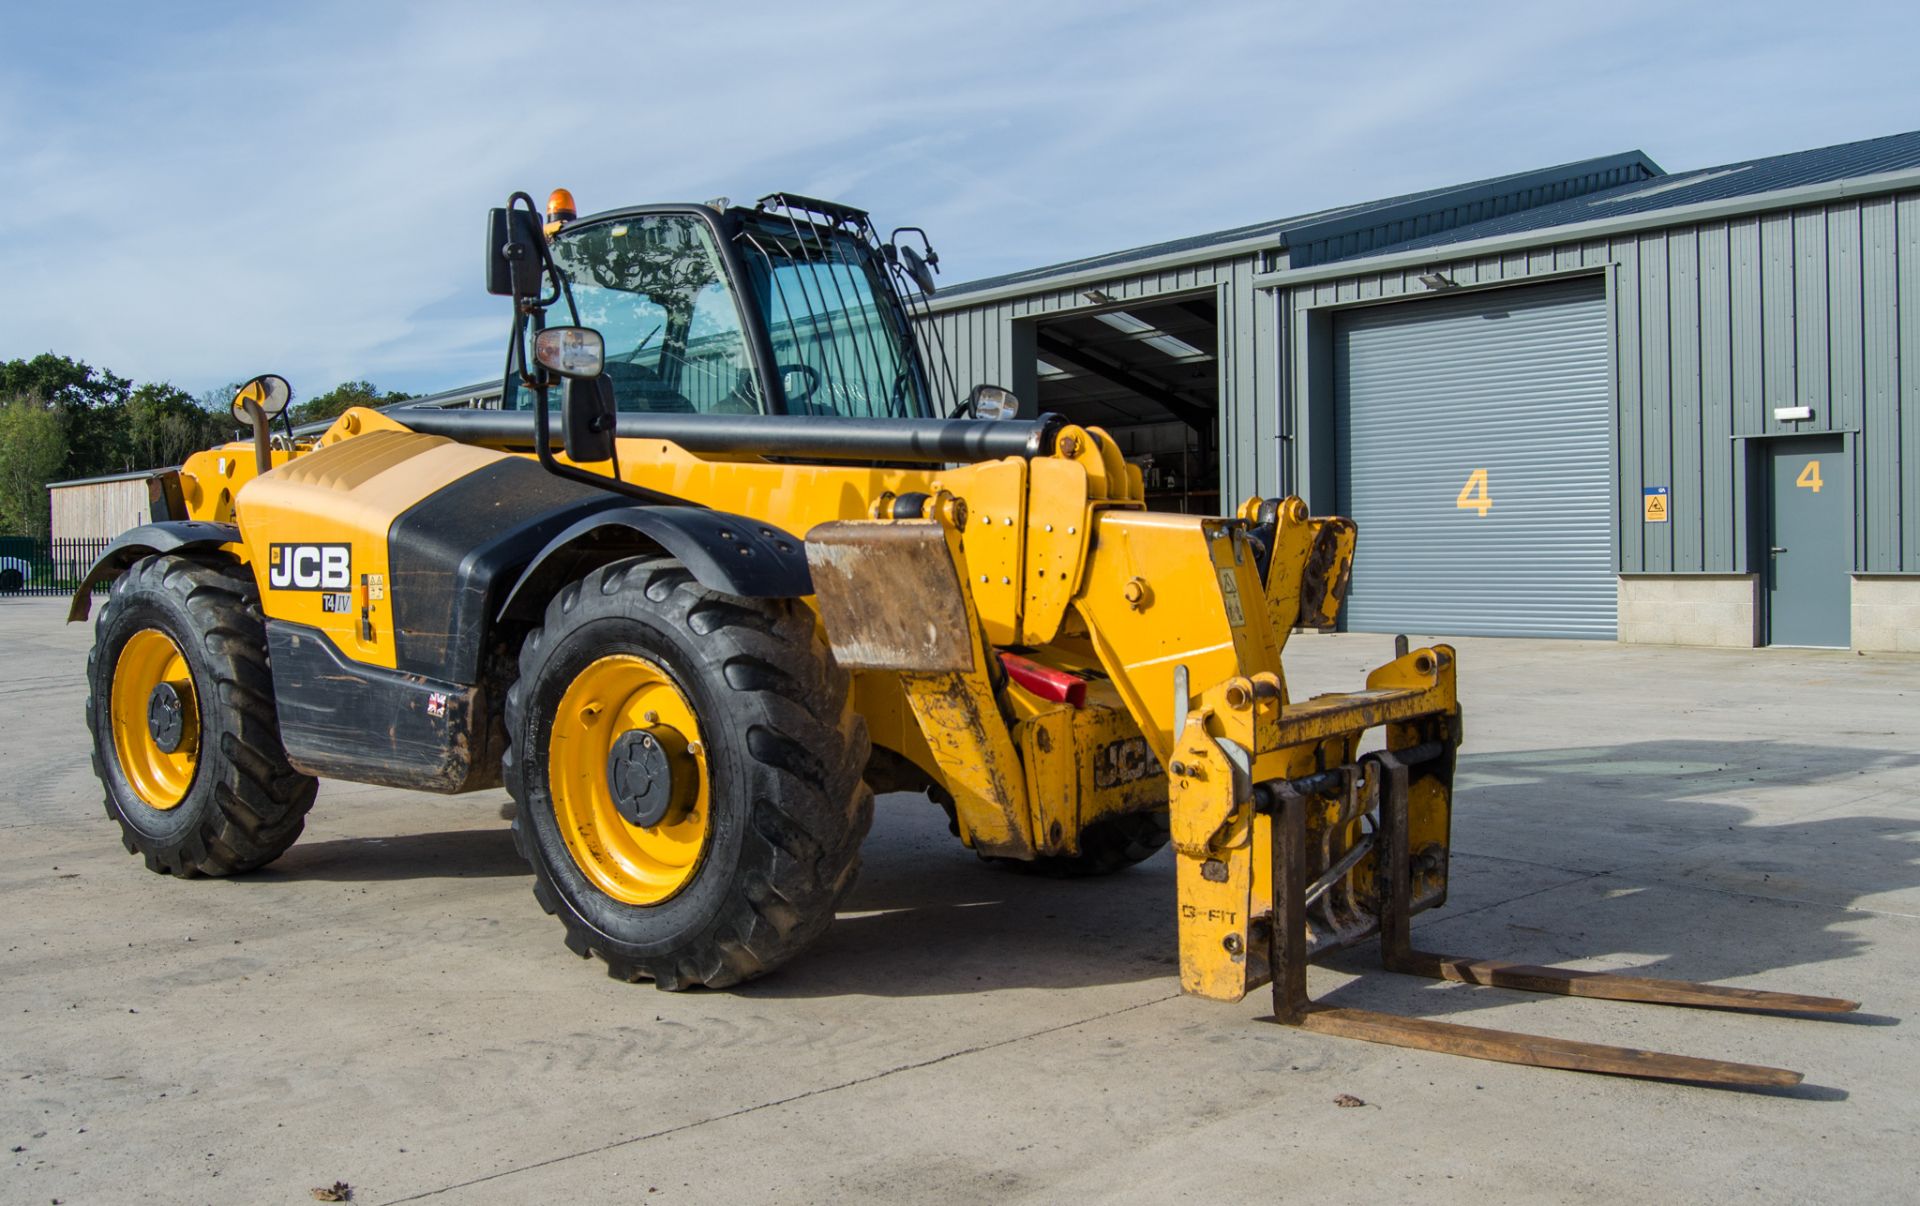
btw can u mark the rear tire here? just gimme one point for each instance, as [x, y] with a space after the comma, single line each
[230, 802]
[1105, 847]
[783, 809]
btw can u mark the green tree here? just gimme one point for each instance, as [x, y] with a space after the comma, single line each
[62, 418]
[61, 381]
[348, 393]
[33, 450]
[165, 425]
[90, 402]
[219, 399]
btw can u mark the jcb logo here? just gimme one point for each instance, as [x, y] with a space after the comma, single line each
[310, 566]
[1119, 763]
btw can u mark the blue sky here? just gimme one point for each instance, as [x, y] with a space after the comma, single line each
[200, 192]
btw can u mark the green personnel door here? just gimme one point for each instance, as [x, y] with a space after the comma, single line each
[1810, 543]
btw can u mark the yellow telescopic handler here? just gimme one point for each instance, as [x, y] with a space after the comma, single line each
[729, 559]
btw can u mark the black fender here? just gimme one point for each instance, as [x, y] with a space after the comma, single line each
[724, 552]
[147, 540]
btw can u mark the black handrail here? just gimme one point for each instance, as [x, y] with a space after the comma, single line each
[805, 437]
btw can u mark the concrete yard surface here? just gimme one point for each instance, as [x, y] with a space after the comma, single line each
[387, 1006]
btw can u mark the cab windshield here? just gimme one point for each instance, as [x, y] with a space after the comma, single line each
[834, 322]
[656, 288]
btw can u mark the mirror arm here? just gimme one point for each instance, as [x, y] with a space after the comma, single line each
[531, 313]
[535, 375]
[543, 255]
[262, 437]
[540, 381]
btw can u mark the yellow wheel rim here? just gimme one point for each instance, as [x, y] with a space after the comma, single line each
[155, 719]
[626, 704]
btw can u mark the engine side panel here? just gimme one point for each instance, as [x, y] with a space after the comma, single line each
[316, 532]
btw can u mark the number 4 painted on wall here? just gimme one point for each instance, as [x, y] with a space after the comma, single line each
[1809, 478]
[1475, 495]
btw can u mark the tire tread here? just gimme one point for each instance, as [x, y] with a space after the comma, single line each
[259, 802]
[792, 705]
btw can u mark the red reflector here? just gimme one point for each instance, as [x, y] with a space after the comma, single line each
[1056, 686]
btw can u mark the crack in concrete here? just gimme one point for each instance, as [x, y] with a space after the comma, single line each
[1457, 852]
[769, 1105]
[1579, 878]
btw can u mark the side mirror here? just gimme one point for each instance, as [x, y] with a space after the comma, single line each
[918, 269]
[257, 404]
[269, 392]
[587, 419]
[993, 402]
[513, 253]
[571, 351]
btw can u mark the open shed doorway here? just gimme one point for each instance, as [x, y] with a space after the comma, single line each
[1148, 374]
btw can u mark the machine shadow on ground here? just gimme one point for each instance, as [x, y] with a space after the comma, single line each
[450, 854]
[928, 918]
[1608, 854]
[1657, 880]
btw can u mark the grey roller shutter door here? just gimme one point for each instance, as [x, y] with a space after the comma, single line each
[1427, 393]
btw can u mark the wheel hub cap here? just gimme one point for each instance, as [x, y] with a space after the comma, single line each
[166, 719]
[640, 777]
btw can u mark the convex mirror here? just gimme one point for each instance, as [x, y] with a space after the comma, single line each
[993, 402]
[269, 391]
[577, 352]
[917, 269]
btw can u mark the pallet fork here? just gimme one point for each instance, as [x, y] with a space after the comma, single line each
[1385, 775]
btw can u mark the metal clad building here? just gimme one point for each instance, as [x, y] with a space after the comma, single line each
[1760, 325]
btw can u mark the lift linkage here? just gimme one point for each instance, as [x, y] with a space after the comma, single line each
[1286, 803]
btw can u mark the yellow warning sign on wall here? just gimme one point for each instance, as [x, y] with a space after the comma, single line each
[1655, 498]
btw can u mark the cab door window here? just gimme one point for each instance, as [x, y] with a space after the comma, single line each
[656, 289]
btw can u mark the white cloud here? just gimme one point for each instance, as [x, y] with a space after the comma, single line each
[198, 195]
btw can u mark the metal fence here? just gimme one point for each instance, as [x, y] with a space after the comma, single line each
[31, 565]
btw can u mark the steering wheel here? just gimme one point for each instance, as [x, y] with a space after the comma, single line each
[795, 401]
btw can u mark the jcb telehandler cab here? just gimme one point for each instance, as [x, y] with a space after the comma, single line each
[731, 558]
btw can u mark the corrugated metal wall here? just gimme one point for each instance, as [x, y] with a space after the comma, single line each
[987, 343]
[1714, 325]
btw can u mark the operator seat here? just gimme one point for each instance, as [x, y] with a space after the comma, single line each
[637, 387]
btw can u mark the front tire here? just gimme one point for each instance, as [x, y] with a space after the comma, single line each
[186, 739]
[724, 853]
